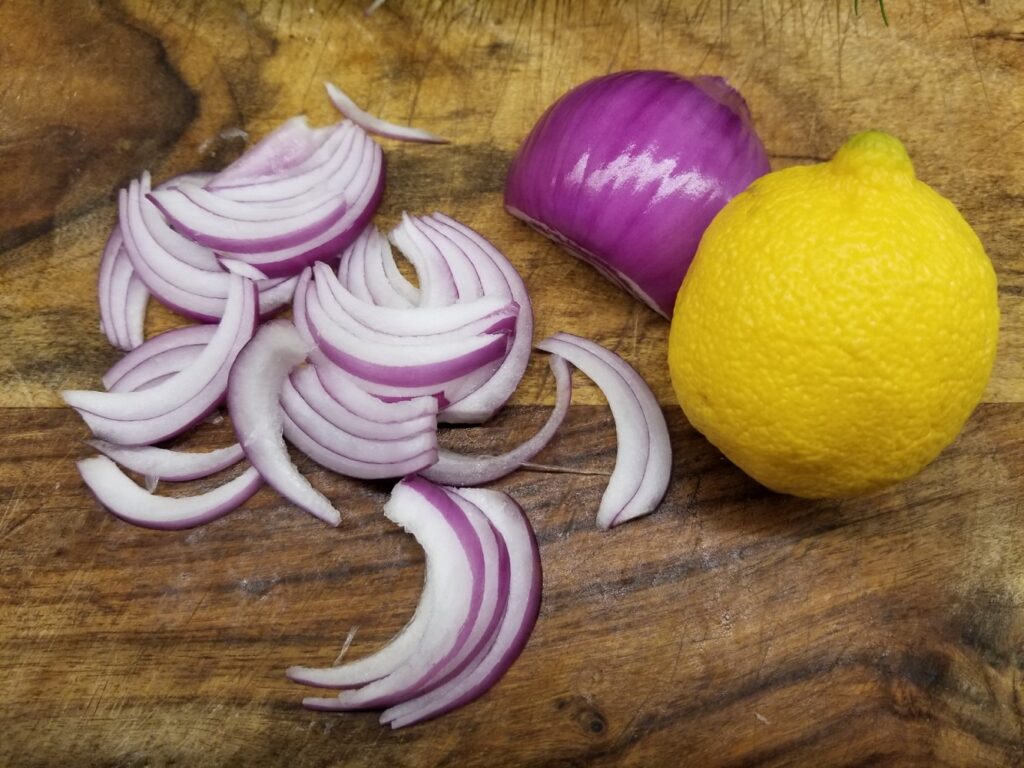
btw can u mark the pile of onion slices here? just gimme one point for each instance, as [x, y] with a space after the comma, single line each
[359, 379]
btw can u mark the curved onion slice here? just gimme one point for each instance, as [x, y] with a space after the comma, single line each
[517, 622]
[459, 469]
[190, 336]
[486, 400]
[182, 275]
[116, 491]
[287, 146]
[643, 459]
[256, 379]
[173, 466]
[348, 108]
[308, 385]
[282, 235]
[122, 296]
[432, 363]
[368, 270]
[462, 540]
[172, 406]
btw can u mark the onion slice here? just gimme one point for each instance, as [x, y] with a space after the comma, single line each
[368, 122]
[256, 380]
[173, 466]
[173, 405]
[643, 460]
[118, 493]
[461, 550]
[459, 469]
[517, 622]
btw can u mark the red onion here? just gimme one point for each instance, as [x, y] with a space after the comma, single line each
[174, 466]
[516, 624]
[256, 379]
[169, 408]
[289, 215]
[477, 609]
[627, 170]
[643, 460]
[116, 491]
[458, 469]
[368, 122]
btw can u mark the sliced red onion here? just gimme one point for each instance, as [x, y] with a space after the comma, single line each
[403, 365]
[243, 269]
[379, 450]
[627, 170]
[190, 336]
[169, 408]
[287, 146]
[443, 573]
[456, 273]
[118, 289]
[517, 622]
[368, 122]
[116, 491]
[283, 246]
[459, 469]
[485, 314]
[253, 387]
[643, 460]
[485, 401]
[309, 176]
[172, 268]
[450, 533]
[351, 394]
[307, 385]
[368, 270]
[173, 466]
[157, 369]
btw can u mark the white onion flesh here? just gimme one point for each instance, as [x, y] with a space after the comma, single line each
[172, 466]
[256, 379]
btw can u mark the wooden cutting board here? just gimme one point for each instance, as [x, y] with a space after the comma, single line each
[733, 627]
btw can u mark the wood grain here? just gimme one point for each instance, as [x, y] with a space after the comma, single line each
[734, 627]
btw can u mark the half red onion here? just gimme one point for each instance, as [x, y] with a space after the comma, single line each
[256, 379]
[627, 170]
[643, 460]
[116, 491]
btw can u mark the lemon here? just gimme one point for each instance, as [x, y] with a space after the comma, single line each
[837, 326]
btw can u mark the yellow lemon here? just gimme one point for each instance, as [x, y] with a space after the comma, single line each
[837, 326]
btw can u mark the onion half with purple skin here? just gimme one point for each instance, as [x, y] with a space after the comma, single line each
[627, 170]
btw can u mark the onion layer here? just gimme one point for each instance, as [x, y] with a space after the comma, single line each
[643, 461]
[256, 379]
[116, 491]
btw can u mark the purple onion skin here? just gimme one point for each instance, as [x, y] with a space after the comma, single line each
[627, 170]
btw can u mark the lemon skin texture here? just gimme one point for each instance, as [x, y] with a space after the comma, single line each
[837, 326]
